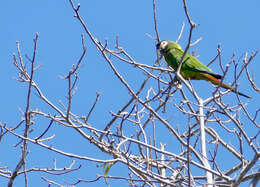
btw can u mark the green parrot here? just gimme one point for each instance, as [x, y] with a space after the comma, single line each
[191, 68]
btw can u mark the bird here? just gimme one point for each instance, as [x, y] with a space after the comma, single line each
[192, 68]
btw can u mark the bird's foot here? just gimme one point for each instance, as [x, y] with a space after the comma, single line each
[176, 82]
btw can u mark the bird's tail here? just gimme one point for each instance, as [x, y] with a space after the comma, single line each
[215, 81]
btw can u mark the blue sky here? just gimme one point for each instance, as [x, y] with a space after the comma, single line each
[232, 24]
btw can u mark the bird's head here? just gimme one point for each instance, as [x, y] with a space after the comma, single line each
[165, 45]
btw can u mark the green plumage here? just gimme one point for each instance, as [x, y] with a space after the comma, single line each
[191, 68]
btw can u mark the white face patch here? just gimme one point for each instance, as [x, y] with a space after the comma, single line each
[163, 44]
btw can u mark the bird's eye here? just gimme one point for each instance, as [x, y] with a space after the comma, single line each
[164, 44]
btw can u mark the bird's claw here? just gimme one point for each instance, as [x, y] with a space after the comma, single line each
[176, 82]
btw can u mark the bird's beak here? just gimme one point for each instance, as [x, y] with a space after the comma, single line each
[158, 50]
[158, 45]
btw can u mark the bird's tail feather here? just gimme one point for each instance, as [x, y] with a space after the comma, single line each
[215, 81]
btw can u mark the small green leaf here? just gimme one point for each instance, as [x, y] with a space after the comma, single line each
[107, 167]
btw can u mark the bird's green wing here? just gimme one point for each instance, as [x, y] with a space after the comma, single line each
[191, 63]
[190, 67]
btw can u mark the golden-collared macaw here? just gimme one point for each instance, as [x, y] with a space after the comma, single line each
[191, 68]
